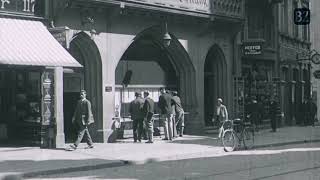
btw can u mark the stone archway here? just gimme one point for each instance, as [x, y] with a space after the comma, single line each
[86, 52]
[215, 81]
[184, 70]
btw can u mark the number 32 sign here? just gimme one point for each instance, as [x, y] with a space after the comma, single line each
[302, 16]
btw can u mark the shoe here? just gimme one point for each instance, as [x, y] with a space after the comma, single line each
[165, 139]
[89, 147]
[135, 141]
[149, 142]
[139, 140]
[180, 135]
[72, 147]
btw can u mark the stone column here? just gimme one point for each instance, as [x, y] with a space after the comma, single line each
[47, 124]
[58, 106]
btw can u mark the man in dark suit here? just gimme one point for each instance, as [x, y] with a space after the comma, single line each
[166, 111]
[82, 118]
[148, 109]
[136, 113]
[274, 113]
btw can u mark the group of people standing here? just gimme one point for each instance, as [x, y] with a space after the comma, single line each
[142, 110]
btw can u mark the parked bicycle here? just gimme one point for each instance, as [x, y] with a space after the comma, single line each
[235, 132]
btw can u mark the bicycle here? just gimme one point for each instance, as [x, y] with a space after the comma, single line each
[238, 132]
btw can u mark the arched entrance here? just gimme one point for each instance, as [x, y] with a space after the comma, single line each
[153, 66]
[215, 81]
[85, 51]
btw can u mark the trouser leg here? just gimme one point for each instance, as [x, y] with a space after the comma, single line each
[134, 128]
[165, 127]
[181, 123]
[81, 132]
[89, 139]
[140, 128]
[174, 127]
[170, 128]
[150, 128]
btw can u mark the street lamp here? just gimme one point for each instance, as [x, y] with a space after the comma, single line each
[166, 37]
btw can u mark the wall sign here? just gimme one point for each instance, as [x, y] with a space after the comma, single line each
[191, 5]
[252, 49]
[21, 6]
[108, 89]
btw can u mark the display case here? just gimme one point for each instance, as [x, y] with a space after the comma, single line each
[27, 106]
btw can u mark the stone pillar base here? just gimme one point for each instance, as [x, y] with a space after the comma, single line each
[106, 135]
[60, 140]
[193, 125]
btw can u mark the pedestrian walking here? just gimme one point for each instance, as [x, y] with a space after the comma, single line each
[179, 124]
[148, 110]
[136, 113]
[83, 118]
[310, 109]
[221, 114]
[253, 113]
[274, 113]
[166, 111]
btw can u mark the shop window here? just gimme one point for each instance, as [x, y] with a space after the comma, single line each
[28, 96]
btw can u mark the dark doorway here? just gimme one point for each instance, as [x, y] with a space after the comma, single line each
[215, 82]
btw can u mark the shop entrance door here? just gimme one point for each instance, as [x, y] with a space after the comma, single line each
[72, 84]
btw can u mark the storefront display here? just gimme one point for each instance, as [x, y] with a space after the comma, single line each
[23, 99]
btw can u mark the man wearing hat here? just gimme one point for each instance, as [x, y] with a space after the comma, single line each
[82, 118]
[221, 114]
[179, 122]
[148, 110]
[136, 113]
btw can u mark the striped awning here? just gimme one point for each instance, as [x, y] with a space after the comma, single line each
[28, 42]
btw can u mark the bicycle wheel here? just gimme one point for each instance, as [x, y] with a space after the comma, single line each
[228, 140]
[248, 138]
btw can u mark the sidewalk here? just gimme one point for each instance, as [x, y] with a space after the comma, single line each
[33, 161]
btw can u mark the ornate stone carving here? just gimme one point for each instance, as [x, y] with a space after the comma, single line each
[228, 7]
[47, 101]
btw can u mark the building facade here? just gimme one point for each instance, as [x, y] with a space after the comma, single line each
[122, 47]
[31, 76]
[275, 57]
[315, 45]
[295, 67]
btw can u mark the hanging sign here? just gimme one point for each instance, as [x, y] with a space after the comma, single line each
[191, 5]
[252, 49]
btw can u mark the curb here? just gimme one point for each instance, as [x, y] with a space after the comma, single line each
[75, 169]
[286, 143]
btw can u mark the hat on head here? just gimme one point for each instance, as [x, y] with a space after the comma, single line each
[220, 100]
[175, 92]
[137, 94]
[83, 91]
[146, 92]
